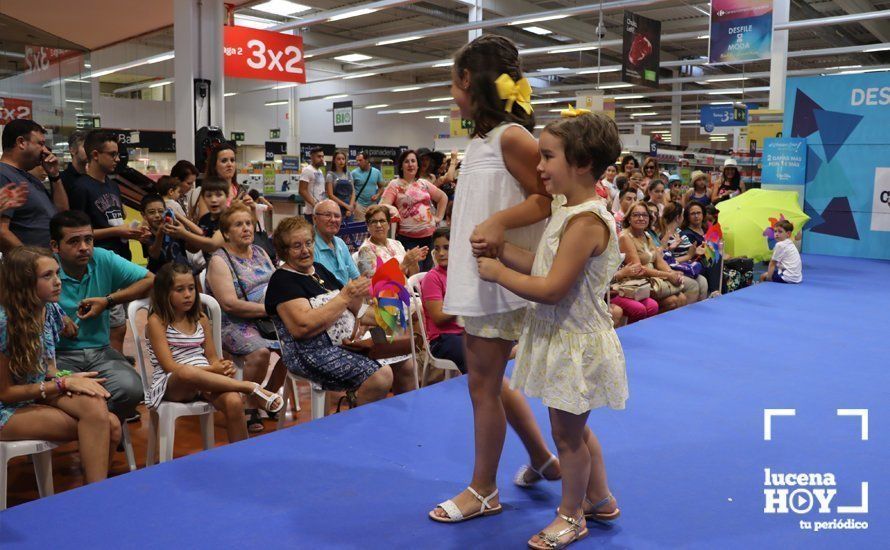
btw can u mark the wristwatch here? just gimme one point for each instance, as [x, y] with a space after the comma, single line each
[55, 178]
[110, 301]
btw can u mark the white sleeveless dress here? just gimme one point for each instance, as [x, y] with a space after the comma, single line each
[569, 354]
[485, 188]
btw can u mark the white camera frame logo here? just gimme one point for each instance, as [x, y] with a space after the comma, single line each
[880, 205]
[812, 490]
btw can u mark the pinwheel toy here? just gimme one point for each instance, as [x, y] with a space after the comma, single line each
[712, 243]
[391, 298]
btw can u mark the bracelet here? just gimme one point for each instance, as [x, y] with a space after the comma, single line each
[42, 389]
[60, 384]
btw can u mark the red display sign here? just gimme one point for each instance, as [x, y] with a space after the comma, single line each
[12, 109]
[43, 64]
[263, 55]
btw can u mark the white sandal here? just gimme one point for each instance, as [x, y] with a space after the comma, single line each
[268, 400]
[519, 478]
[456, 516]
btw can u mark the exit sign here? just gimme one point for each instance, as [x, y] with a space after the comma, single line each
[343, 116]
[275, 133]
[237, 136]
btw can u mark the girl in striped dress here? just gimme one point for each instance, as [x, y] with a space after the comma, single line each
[183, 355]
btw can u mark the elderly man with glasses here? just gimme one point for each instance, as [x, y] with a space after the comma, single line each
[330, 250]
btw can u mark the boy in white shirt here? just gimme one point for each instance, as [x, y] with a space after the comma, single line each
[785, 265]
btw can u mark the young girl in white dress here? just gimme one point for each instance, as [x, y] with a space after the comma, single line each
[569, 354]
[498, 173]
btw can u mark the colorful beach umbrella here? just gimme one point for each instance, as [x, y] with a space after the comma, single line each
[748, 221]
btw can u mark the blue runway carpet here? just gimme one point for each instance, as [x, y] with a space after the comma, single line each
[686, 460]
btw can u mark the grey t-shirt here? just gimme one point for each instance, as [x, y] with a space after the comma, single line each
[29, 222]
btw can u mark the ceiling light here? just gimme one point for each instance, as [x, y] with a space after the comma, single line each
[440, 118]
[614, 86]
[648, 113]
[408, 111]
[842, 67]
[78, 108]
[397, 40]
[281, 7]
[77, 80]
[877, 49]
[861, 71]
[696, 121]
[353, 57]
[728, 79]
[444, 64]
[349, 14]
[380, 106]
[75, 101]
[253, 22]
[643, 106]
[406, 89]
[542, 101]
[362, 75]
[230, 94]
[539, 127]
[87, 66]
[537, 19]
[541, 31]
[722, 103]
[547, 92]
[159, 84]
[138, 63]
[554, 69]
[703, 36]
[572, 49]
[600, 70]
[336, 96]
[276, 102]
[159, 58]
[619, 97]
[555, 111]
[727, 92]
[435, 99]
[284, 86]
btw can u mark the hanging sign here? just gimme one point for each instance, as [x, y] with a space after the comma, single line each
[263, 55]
[275, 148]
[641, 51]
[329, 149]
[14, 109]
[377, 151]
[343, 116]
[715, 116]
[741, 30]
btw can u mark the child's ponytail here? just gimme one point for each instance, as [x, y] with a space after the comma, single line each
[498, 92]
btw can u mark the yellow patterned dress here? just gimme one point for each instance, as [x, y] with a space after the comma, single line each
[569, 354]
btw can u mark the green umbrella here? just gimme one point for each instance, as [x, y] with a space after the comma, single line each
[747, 221]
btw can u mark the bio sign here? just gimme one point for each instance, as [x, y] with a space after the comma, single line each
[343, 116]
[14, 109]
[263, 55]
[741, 30]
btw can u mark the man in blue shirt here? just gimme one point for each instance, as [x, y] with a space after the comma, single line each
[93, 281]
[368, 183]
[24, 149]
[330, 250]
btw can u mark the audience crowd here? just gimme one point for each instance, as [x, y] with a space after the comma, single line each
[294, 301]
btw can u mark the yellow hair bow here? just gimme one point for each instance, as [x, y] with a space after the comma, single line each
[519, 93]
[572, 112]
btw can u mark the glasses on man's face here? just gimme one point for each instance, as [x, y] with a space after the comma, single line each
[301, 246]
[378, 222]
[329, 215]
[112, 154]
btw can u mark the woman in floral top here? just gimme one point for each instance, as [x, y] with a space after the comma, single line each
[413, 198]
[35, 402]
[379, 246]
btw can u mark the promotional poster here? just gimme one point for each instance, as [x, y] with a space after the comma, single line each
[641, 50]
[741, 30]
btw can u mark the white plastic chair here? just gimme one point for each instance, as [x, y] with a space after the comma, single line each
[162, 423]
[317, 399]
[450, 367]
[41, 455]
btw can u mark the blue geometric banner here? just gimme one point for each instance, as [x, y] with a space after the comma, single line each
[845, 121]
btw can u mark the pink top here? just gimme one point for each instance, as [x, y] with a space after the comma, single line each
[413, 202]
[432, 287]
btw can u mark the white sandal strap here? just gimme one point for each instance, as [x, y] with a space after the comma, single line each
[269, 399]
[540, 471]
[452, 510]
[483, 500]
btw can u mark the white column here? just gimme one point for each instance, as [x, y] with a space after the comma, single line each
[474, 15]
[778, 68]
[293, 121]
[194, 19]
[676, 110]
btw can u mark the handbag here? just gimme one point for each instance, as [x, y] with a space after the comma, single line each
[634, 289]
[379, 347]
[264, 325]
[662, 288]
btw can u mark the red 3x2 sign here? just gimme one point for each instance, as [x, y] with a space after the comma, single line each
[263, 55]
[12, 109]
